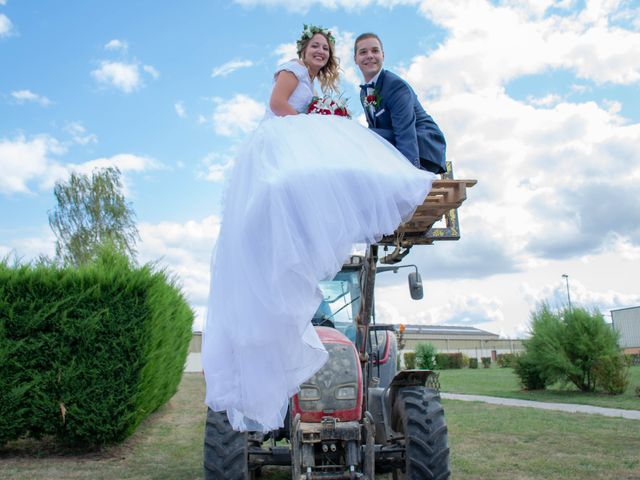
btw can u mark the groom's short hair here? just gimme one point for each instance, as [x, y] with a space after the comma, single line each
[364, 36]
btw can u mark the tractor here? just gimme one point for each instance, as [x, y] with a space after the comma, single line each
[358, 416]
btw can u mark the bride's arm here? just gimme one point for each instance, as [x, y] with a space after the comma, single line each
[286, 83]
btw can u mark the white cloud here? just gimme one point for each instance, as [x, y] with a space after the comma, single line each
[151, 71]
[215, 166]
[6, 27]
[285, 52]
[185, 248]
[230, 67]
[23, 160]
[123, 76]
[27, 161]
[24, 96]
[556, 296]
[470, 309]
[303, 6]
[546, 101]
[489, 45]
[116, 44]
[180, 110]
[79, 134]
[236, 116]
[126, 162]
[33, 244]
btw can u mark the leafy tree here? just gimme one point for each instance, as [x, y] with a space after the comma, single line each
[426, 356]
[566, 345]
[91, 213]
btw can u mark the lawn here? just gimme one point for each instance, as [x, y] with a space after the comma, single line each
[487, 442]
[503, 382]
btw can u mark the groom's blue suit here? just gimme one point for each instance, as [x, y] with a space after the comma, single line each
[401, 120]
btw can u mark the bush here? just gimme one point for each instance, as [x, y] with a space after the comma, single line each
[506, 360]
[87, 354]
[612, 374]
[447, 361]
[473, 362]
[566, 345]
[426, 356]
[465, 360]
[530, 374]
[486, 362]
[409, 360]
[638, 391]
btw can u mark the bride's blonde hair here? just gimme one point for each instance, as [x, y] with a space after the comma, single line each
[328, 75]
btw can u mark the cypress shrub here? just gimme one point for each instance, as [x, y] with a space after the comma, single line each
[473, 362]
[410, 360]
[486, 362]
[530, 374]
[426, 354]
[612, 374]
[87, 354]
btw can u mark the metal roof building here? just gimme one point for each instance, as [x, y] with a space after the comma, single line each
[471, 341]
[626, 321]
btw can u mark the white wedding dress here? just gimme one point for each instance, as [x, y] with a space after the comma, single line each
[303, 190]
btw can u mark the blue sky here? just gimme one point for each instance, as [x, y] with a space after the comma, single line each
[538, 101]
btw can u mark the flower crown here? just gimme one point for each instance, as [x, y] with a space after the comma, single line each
[309, 31]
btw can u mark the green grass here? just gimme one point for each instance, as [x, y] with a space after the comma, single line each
[503, 382]
[487, 442]
[494, 442]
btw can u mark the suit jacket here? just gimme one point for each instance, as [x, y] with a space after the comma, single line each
[401, 120]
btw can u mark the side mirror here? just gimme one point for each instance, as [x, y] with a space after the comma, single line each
[415, 286]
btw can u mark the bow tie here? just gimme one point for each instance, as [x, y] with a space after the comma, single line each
[367, 85]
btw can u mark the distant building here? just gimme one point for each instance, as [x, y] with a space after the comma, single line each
[626, 321]
[471, 341]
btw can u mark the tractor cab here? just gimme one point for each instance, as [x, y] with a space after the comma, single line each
[341, 300]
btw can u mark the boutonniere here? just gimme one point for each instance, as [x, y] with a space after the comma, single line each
[373, 99]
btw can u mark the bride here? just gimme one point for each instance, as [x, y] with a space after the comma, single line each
[303, 190]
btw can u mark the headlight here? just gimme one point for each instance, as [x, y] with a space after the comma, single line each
[309, 393]
[347, 392]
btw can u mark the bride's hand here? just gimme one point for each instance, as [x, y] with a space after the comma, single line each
[286, 83]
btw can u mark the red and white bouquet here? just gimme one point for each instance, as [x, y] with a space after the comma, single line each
[328, 106]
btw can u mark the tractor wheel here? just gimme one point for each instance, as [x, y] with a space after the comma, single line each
[417, 414]
[225, 450]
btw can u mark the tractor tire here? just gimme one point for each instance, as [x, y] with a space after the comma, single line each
[225, 450]
[417, 414]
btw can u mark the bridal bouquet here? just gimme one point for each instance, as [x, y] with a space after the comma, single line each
[328, 106]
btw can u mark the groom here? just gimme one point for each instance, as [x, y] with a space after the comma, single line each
[393, 110]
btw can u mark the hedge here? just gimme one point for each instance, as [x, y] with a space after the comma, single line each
[506, 360]
[409, 360]
[445, 361]
[87, 354]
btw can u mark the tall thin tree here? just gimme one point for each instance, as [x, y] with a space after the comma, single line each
[91, 213]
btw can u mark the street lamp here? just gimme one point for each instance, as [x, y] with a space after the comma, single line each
[566, 277]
